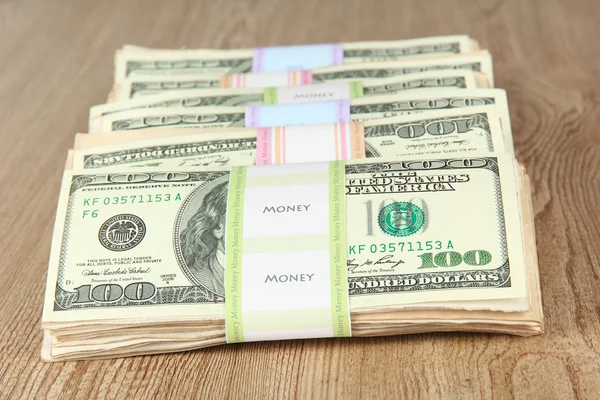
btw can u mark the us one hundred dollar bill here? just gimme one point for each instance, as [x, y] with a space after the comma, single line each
[188, 97]
[84, 140]
[432, 134]
[360, 109]
[433, 129]
[203, 150]
[134, 61]
[145, 85]
[150, 243]
[376, 107]
[136, 88]
[436, 133]
[478, 62]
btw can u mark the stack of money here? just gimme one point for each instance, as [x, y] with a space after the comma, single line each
[439, 223]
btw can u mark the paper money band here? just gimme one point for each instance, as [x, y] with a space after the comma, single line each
[285, 274]
[310, 143]
[285, 58]
[325, 112]
[263, 80]
[312, 93]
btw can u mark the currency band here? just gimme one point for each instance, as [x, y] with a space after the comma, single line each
[285, 274]
[310, 143]
[263, 80]
[312, 93]
[325, 112]
[285, 58]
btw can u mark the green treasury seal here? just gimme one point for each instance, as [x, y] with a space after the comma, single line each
[401, 219]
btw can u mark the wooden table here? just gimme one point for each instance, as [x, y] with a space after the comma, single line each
[56, 61]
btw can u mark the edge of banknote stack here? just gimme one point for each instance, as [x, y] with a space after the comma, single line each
[439, 225]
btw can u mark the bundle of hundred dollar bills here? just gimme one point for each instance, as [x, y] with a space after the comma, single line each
[349, 189]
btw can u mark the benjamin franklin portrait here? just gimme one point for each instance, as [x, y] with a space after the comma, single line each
[203, 240]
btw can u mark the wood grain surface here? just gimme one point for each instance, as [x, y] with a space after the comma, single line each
[56, 60]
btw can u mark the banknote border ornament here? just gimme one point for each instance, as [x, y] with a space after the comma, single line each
[424, 83]
[158, 153]
[320, 77]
